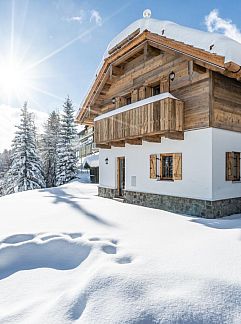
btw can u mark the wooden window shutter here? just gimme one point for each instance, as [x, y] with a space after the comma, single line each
[164, 84]
[134, 95]
[122, 101]
[153, 163]
[142, 94]
[148, 91]
[229, 165]
[177, 166]
[117, 102]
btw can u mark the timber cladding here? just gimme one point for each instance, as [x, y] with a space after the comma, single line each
[211, 99]
[226, 105]
[139, 48]
[191, 85]
[160, 117]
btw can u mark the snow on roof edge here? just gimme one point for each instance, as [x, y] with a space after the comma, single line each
[92, 160]
[223, 45]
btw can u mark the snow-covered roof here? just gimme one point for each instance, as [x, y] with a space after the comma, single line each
[92, 160]
[223, 46]
[212, 43]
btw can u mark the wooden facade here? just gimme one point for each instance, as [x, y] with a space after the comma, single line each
[163, 117]
[207, 89]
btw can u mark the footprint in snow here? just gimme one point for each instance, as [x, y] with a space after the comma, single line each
[124, 260]
[18, 238]
[109, 249]
[62, 251]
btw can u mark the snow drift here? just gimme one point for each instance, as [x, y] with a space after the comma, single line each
[68, 256]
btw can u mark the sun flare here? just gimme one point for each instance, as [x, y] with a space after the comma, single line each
[14, 79]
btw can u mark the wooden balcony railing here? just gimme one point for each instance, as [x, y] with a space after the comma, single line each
[161, 115]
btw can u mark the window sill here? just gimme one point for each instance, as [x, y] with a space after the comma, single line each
[169, 180]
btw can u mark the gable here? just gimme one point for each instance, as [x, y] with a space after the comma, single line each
[126, 55]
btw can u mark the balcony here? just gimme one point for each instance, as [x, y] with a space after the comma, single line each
[148, 120]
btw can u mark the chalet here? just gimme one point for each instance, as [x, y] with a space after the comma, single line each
[166, 111]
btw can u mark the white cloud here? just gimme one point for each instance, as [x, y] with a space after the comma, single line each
[96, 17]
[215, 23]
[10, 118]
[79, 18]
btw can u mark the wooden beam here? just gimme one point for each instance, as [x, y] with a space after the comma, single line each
[163, 49]
[134, 141]
[174, 135]
[129, 54]
[116, 71]
[232, 67]
[118, 143]
[124, 41]
[103, 146]
[183, 48]
[145, 51]
[211, 60]
[153, 139]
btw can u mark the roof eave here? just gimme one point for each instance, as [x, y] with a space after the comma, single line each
[214, 61]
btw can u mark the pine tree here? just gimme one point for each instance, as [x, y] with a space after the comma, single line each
[25, 172]
[5, 162]
[50, 139]
[66, 164]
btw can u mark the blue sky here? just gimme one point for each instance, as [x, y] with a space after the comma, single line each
[62, 41]
[41, 27]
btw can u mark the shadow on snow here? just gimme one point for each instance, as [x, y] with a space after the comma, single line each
[60, 196]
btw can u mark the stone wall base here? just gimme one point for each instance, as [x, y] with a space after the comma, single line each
[179, 205]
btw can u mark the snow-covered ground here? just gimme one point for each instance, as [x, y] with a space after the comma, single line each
[69, 256]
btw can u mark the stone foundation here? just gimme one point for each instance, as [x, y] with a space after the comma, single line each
[107, 192]
[180, 205]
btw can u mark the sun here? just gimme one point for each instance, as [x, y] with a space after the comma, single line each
[14, 78]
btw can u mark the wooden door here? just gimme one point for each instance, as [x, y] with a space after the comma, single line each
[120, 175]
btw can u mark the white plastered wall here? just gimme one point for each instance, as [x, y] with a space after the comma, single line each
[196, 151]
[224, 141]
[203, 165]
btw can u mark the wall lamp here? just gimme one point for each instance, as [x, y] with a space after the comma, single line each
[172, 76]
[106, 160]
[113, 100]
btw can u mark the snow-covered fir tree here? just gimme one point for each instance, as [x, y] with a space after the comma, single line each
[26, 170]
[49, 143]
[66, 164]
[5, 162]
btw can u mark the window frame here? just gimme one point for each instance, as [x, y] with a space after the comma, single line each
[154, 87]
[128, 99]
[161, 176]
[231, 157]
[237, 158]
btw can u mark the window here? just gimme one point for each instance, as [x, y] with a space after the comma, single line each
[166, 166]
[233, 166]
[156, 90]
[128, 100]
